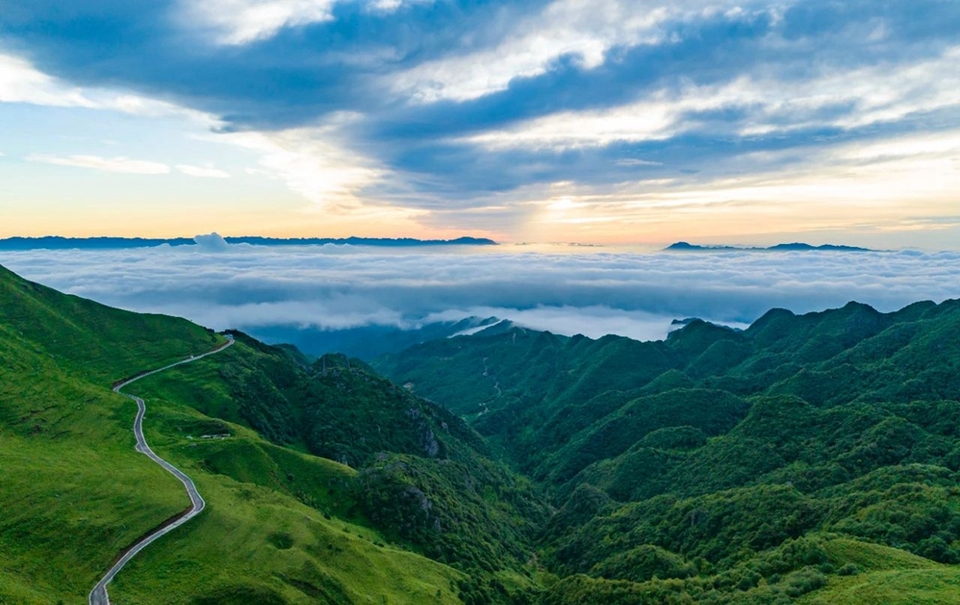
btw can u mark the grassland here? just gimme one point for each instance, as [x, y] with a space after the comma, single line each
[280, 525]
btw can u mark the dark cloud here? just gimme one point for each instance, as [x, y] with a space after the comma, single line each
[299, 75]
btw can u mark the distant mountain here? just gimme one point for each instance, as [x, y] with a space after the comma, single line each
[795, 246]
[55, 242]
[364, 342]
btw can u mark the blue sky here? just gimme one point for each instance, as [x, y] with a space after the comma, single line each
[600, 121]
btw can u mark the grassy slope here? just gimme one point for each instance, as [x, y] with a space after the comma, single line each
[890, 576]
[74, 491]
[257, 542]
[424, 478]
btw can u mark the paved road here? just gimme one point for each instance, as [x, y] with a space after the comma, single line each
[98, 596]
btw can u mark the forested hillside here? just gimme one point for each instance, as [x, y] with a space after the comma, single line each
[802, 456]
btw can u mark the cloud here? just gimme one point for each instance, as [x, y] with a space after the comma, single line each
[119, 164]
[245, 21]
[213, 242]
[750, 106]
[311, 162]
[586, 30]
[637, 162]
[441, 109]
[21, 83]
[198, 171]
[594, 321]
[333, 287]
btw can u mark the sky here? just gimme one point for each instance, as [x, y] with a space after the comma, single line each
[593, 121]
[568, 291]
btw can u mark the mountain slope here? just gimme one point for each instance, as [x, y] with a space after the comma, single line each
[281, 525]
[684, 469]
[809, 458]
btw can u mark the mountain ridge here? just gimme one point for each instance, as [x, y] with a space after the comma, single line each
[790, 247]
[799, 460]
[281, 526]
[56, 242]
[722, 466]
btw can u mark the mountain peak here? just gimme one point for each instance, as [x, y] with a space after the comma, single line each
[787, 247]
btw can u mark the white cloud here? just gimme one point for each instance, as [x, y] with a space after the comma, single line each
[118, 164]
[212, 242]
[882, 193]
[311, 162]
[244, 21]
[637, 162]
[885, 93]
[21, 83]
[583, 28]
[202, 172]
[334, 287]
[236, 22]
[594, 321]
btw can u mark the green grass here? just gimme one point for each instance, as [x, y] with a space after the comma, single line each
[887, 575]
[98, 342]
[810, 459]
[74, 491]
[251, 538]
[67, 514]
[874, 557]
[939, 586]
[280, 526]
[245, 457]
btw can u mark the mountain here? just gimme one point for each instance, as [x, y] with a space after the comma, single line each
[420, 513]
[808, 457]
[364, 342]
[796, 246]
[54, 242]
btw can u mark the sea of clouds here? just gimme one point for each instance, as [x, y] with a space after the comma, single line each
[594, 292]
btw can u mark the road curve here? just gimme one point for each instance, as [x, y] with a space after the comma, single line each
[98, 596]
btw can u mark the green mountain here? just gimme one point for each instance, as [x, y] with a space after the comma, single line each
[421, 515]
[809, 457]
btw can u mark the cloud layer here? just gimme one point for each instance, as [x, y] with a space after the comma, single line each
[594, 293]
[474, 115]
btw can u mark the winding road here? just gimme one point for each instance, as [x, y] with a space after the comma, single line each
[98, 596]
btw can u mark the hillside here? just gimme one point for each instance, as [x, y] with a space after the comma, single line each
[281, 525]
[809, 459]
[725, 466]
